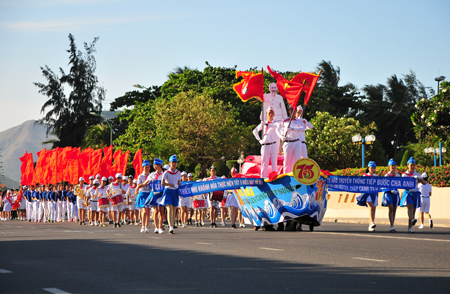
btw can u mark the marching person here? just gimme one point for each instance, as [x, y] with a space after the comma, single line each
[125, 186]
[171, 180]
[289, 131]
[144, 192]
[185, 203]
[370, 199]
[425, 194]
[411, 198]
[223, 206]
[117, 190]
[391, 198]
[93, 199]
[269, 142]
[71, 201]
[199, 202]
[154, 197]
[214, 198]
[28, 196]
[102, 197]
[80, 191]
[307, 126]
[133, 214]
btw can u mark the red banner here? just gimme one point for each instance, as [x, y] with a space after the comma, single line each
[251, 86]
[124, 162]
[116, 165]
[106, 164]
[27, 169]
[137, 163]
[290, 90]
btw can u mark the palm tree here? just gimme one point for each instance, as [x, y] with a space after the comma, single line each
[330, 75]
[97, 136]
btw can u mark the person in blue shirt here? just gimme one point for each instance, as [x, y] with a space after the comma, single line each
[29, 206]
[44, 209]
[58, 205]
[52, 197]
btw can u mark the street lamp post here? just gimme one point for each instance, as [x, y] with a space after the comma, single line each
[438, 80]
[240, 161]
[435, 152]
[368, 140]
[431, 151]
[109, 125]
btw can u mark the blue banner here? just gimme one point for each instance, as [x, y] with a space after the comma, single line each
[369, 184]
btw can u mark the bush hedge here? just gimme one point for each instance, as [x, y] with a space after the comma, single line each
[437, 176]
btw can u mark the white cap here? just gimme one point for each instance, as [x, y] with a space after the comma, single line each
[224, 177]
[80, 179]
[189, 175]
[96, 182]
[125, 178]
[24, 187]
[111, 178]
[166, 166]
[118, 175]
[104, 179]
[135, 181]
[183, 173]
[424, 175]
[212, 167]
[270, 108]
[98, 176]
[300, 108]
[91, 178]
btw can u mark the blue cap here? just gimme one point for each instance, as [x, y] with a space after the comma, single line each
[391, 162]
[157, 161]
[372, 164]
[145, 163]
[411, 160]
[173, 158]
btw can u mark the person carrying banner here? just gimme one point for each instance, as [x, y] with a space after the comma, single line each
[144, 192]
[391, 198]
[214, 198]
[411, 198]
[269, 142]
[185, 203]
[171, 179]
[153, 198]
[425, 194]
[370, 199]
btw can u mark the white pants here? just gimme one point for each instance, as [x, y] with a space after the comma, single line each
[292, 152]
[29, 210]
[70, 211]
[425, 205]
[58, 206]
[36, 207]
[52, 206]
[268, 152]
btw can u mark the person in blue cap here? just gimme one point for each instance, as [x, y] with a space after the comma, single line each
[411, 198]
[144, 191]
[391, 198]
[171, 180]
[370, 199]
[152, 199]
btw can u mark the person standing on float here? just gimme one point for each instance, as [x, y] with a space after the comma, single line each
[370, 198]
[171, 179]
[289, 131]
[391, 198]
[307, 126]
[269, 146]
[411, 198]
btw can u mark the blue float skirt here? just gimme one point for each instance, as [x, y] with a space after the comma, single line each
[169, 197]
[152, 199]
[141, 198]
[362, 199]
[410, 198]
[390, 198]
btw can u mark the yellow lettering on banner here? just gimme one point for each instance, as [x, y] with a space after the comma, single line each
[340, 196]
[353, 198]
[346, 198]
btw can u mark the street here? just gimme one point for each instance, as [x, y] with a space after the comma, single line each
[334, 258]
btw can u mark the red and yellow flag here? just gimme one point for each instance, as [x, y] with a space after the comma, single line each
[309, 80]
[251, 86]
[290, 90]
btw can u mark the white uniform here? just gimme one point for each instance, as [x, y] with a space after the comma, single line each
[101, 193]
[124, 196]
[130, 193]
[292, 146]
[307, 126]
[425, 194]
[115, 189]
[92, 193]
[278, 106]
[80, 200]
[269, 146]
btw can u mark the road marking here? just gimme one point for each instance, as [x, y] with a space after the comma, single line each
[55, 291]
[370, 259]
[3, 271]
[154, 238]
[383, 236]
[273, 249]
[203, 243]
[118, 234]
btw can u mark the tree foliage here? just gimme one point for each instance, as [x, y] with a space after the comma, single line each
[69, 116]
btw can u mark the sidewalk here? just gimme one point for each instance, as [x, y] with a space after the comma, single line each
[385, 221]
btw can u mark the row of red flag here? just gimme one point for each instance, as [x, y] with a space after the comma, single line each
[252, 86]
[69, 164]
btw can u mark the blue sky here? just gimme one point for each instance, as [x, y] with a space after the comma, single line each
[142, 41]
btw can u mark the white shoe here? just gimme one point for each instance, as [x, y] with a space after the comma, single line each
[142, 229]
[156, 230]
[421, 226]
[392, 229]
[183, 226]
[371, 229]
[161, 231]
[146, 230]
[410, 230]
[223, 224]
[372, 226]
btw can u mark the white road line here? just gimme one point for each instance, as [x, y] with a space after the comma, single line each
[55, 291]
[118, 234]
[203, 243]
[370, 259]
[3, 271]
[383, 236]
[154, 238]
[273, 249]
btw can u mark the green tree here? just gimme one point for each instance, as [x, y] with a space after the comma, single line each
[330, 142]
[69, 116]
[97, 136]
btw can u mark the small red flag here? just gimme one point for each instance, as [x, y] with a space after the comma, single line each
[137, 163]
[251, 86]
[39, 171]
[309, 80]
[96, 160]
[85, 162]
[106, 162]
[124, 162]
[116, 165]
[290, 90]
[27, 169]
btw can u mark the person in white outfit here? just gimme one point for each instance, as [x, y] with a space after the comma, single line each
[269, 142]
[307, 125]
[425, 194]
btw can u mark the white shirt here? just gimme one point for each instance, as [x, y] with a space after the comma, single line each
[293, 131]
[171, 178]
[307, 126]
[269, 134]
[130, 193]
[425, 190]
[125, 187]
[141, 179]
[101, 192]
[115, 189]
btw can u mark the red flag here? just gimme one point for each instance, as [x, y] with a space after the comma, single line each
[96, 159]
[27, 169]
[70, 172]
[72, 166]
[105, 166]
[291, 91]
[51, 169]
[251, 86]
[309, 80]
[124, 162]
[85, 161]
[39, 172]
[116, 165]
[23, 168]
[137, 163]
[62, 164]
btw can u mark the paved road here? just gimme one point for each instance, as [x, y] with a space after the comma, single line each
[335, 258]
